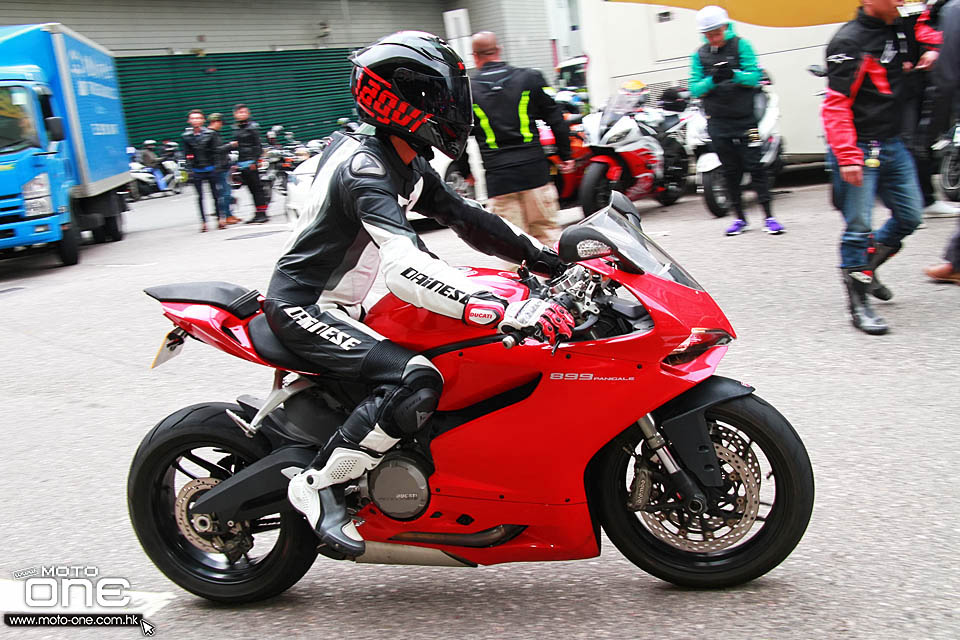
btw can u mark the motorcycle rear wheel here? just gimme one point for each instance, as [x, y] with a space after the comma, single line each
[715, 193]
[756, 446]
[950, 174]
[201, 445]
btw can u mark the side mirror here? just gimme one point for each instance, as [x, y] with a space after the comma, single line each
[54, 126]
[584, 243]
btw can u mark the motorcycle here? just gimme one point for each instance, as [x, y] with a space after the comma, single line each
[709, 173]
[949, 149]
[568, 184]
[144, 183]
[637, 150]
[692, 476]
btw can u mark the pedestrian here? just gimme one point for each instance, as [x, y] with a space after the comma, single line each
[949, 76]
[507, 103]
[862, 117]
[926, 111]
[199, 146]
[725, 75]
[222, 169]
[246, 135]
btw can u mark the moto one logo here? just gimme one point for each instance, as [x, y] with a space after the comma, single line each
[66, 585]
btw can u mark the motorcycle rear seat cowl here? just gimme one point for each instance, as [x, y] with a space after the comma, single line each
[233, 298]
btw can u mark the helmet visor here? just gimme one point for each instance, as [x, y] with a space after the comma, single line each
[447, 99]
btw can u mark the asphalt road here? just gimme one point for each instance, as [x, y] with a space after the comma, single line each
[878, 416]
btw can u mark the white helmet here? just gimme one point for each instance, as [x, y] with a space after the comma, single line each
[149, 143]
[711, 17]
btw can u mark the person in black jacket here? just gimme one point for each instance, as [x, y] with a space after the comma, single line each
[222, 169]
[247, 142]
[200, 146]
[507, 102]
[862, 117]
[413, 88]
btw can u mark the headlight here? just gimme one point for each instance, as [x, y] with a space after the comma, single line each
[617, 138]
[38, 206]
[38, 187]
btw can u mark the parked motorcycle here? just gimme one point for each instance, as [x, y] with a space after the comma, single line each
[144, 183]
[637, 150]
[568, 184]
[692, 476]
[709, 172]
[949, 149]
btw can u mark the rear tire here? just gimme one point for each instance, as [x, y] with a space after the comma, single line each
[769, 538]
[715, 193]
[950, 174]
[113, 227]
[151, 495]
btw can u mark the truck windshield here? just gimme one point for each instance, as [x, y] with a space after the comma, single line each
[17, 129]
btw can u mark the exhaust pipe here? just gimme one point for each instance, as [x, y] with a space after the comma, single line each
[386, 553]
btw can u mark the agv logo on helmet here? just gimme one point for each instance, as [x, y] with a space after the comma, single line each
[376, 96]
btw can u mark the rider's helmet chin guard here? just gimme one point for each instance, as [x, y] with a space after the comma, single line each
[414, 85]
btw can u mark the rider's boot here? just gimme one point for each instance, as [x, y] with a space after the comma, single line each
[859, 282]
[312, 493]
[880, 253]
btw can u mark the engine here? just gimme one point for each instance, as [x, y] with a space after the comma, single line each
[398, 486]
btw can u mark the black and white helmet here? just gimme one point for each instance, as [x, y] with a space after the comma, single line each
[415, 86]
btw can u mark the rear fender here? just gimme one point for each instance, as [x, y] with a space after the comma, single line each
[683, 422]
[707, 162]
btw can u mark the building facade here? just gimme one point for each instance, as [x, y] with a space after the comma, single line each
[288, 61]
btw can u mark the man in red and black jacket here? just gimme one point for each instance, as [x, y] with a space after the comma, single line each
[862, 116]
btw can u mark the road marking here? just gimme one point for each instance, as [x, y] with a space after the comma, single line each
[11, 290]
[261, 234]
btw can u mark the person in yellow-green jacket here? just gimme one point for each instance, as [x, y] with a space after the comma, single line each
[725, 76]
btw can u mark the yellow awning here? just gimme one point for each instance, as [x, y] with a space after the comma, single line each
[774, 13]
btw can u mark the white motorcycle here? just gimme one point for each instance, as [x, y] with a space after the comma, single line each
[143, 182]
[709, 173]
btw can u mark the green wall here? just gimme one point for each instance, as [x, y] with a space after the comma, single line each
[306, 91]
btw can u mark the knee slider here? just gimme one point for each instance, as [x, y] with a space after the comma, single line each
[415, 400]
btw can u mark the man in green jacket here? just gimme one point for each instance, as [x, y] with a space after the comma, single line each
[725, 75]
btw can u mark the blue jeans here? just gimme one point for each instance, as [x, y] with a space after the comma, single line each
[224, 195]
[895, 182]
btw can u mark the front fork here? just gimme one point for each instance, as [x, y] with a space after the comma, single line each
[689, 493]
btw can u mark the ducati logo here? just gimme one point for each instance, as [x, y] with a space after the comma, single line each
[422, 417]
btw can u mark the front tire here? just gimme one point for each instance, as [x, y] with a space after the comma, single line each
[68, 247]
[950, 174]
[751, 526]
[596, 188]
[715, 193]
[159, 483]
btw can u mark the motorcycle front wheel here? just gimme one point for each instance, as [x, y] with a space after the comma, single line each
[950, 174]
[596, 188]
[753, 521]
[715, 193]
[187, 454]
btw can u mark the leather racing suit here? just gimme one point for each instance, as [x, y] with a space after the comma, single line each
[355, 224]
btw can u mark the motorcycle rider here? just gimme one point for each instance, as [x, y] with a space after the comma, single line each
[724, 73]
[413, 88]
[862, 118]
[149, 159]
[507, 102]
[249, 148]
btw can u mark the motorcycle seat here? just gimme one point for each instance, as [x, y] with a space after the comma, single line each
[239, 301]
[268, 346]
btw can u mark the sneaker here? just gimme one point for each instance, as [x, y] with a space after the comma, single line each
[773, 227]
[259, 219]
[738, 227]
[941, 209]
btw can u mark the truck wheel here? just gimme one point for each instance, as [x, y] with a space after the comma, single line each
[113, 227]
[68, 249]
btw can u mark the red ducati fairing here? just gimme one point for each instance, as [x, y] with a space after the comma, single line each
[522, 464]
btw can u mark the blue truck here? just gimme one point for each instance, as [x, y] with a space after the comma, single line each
[62, 141]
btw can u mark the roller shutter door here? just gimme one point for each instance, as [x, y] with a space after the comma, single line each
[306, 91]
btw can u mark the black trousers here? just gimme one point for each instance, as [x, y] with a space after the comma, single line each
[406, 386]
[926, 116]
[251, 178]
[210, 177]
[737, 156]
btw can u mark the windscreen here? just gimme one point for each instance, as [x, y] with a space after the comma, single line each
[17, 125]
[637, 247]
[620, 104]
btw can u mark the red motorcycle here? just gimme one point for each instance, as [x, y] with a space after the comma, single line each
[568, 184]
[533, 450]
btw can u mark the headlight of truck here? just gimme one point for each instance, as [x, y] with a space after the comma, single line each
[38, 187]
[38, 206]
